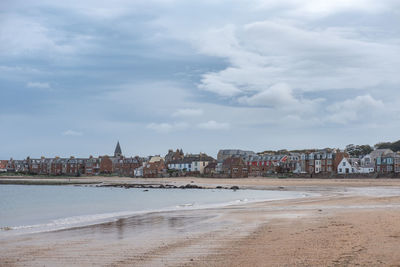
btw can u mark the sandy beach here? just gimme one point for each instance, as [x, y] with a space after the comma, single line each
[350, 223]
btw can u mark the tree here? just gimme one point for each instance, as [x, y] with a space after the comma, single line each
[395, 146]
[358, 150]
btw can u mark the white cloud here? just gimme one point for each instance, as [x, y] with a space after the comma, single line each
[187, 112]
[277, 95]
[362, 109]
[40, 85]
[72, 133]
[318, 8]
[213, 125]
[265, 53]
[24, 35]
[167, 127]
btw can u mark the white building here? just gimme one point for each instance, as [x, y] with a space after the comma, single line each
[318, 166]
[191, 163]
[366, 169]
[138, 172]
[345, 167]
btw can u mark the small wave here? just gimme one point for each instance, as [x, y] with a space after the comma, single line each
[185, 205]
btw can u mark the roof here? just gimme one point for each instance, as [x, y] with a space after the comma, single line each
[155, 159]
[117, 150]
[191, 158]
[380, 152]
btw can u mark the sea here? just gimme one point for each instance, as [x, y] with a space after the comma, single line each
[40, 208]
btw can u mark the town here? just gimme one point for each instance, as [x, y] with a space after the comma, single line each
[230, 163]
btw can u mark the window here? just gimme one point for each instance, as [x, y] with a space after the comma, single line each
[344, 164]
[340, 169]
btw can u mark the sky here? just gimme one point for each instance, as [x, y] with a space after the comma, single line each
[77, 76]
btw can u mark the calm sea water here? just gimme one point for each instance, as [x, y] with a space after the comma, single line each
[25, 208]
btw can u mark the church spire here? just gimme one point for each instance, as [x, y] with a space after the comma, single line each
[117, 152]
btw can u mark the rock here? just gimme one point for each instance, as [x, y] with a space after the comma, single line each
[146, 190]
[218, 187]
[235, 187]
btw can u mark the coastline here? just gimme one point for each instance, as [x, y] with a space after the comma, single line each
[206, 183]
[343, 226]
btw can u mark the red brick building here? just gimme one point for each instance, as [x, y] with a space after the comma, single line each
[235, 167]
[154, 169]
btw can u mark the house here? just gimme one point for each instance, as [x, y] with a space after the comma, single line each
[20, 166]
[210, 169]
[172, 156]
[235, 167]
[396, 160]
[3, 165]
[345, 167]
[385, 163]
[339, 156]
[154, 168]
[92, 166]
[200, 161]
[181, 165]
[129, 165]
[138, 172]
[318, 161]
[366, 169]
[191, 163]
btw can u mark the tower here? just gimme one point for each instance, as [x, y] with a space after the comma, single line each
[118, 152]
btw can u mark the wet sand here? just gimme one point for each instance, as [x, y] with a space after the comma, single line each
[349, 224]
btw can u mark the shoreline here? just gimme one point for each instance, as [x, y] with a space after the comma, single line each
[61, 223]
[345, 225]
[255, 183]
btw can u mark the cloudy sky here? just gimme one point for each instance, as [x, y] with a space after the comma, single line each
[76, 76]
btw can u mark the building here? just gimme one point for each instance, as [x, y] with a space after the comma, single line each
[192, 163]
[210, 169]
[129, 165]
[3, 165]
[235, 167]
[385, 163]
[117, 151]
[174, 155]
[155, 167]
[319, 161]
[228, 153]
[345, 167]
[92, 166]
[396, 164]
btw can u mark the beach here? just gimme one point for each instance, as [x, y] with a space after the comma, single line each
[344, 222]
